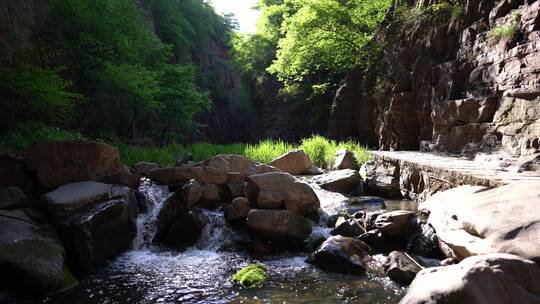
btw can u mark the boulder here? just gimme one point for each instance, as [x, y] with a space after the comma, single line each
[485, 279]
[184, 230]
[237, 210]
[173, 208]
[282, 226]
[12, 198]
[401, 268]
[142, 168]
[182, 175]
[191, 193]
[32, 256]
[345, 159]
[423, 241]
[211, 193]
[348, 227]
[341, 254]
[294, 162]
[237, 163]
[13, 173]
[314, 170]
[396, 223]
[123, 177]
[343, 181]
[236, 185]
[95, 220]
[61, 162]
[476, 220]
[382, 178]
[277, 190]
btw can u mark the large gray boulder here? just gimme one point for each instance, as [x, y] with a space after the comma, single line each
[485, 279]
[294, 162]
[282, 226]
[341, 254]
[476, 220]
[61, 162]
[95, 220]
[279, 190]
[31, 255]
[345, 181]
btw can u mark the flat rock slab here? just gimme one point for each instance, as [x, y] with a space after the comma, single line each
[432, 172]
[75, 196]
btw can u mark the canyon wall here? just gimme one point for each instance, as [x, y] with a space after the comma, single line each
[456, 79]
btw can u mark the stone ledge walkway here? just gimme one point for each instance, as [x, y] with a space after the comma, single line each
[484, 170]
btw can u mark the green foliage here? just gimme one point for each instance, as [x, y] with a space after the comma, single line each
[26, 133]
[326, 35]
[29, 92]
[507, 30]
[322, 151]
[253, 275]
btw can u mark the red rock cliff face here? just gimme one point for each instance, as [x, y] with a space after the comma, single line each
[445, 83]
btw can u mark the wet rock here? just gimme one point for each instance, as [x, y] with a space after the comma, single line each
[423, 241]
[237, 210]
[341, 254]
[279, 190]
[283, 226]
[32, 256]
[12, 198]
[61, 162]
[395, 223]
[72, 197]
[184, 230]
[342, 181]
[485, 279]
[401, 268]
[382, 178]
[237, 163]
[345, 159]
[387, 231]
[314, 170]
[477, 220]
[348, 227]
[142, 168]
[294, 162]
[316, 238]
[182, 175]
[191, 193]
[174, 207]
[94, 232]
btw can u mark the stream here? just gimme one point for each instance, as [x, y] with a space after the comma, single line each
[201, 273]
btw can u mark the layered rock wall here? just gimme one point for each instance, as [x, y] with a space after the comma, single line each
[460, 77]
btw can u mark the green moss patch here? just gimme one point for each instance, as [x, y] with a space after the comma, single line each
[253, 275]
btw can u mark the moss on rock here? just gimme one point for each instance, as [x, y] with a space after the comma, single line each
[253, 275]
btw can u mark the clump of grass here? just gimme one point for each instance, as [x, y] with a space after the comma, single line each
[166, 156]
[507, 30]
[253, 275]
[266, 150]
[25, 134]
[322, 151]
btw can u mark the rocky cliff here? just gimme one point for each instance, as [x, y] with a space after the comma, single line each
[450, 77]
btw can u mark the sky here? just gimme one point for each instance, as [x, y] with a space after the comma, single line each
[247, 18]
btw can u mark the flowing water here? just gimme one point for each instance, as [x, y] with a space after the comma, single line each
[201, 274]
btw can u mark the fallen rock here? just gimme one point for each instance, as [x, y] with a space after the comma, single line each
[345, 159]
[485, 279]
[61, 162]
[342, 181]
[294, 162]
[12, 198]
[191, 193]
[237, 210]
[341, 254]
[279, 190]
[32, 256]
[401, 268]
[282, 226]
[182, 175]
[236, 163]
[382, 179]
[95, 220]
[142, 168]
[396, 223]
[476, 220]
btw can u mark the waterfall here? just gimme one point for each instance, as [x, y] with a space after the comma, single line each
[216, 233]
[154, 197]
